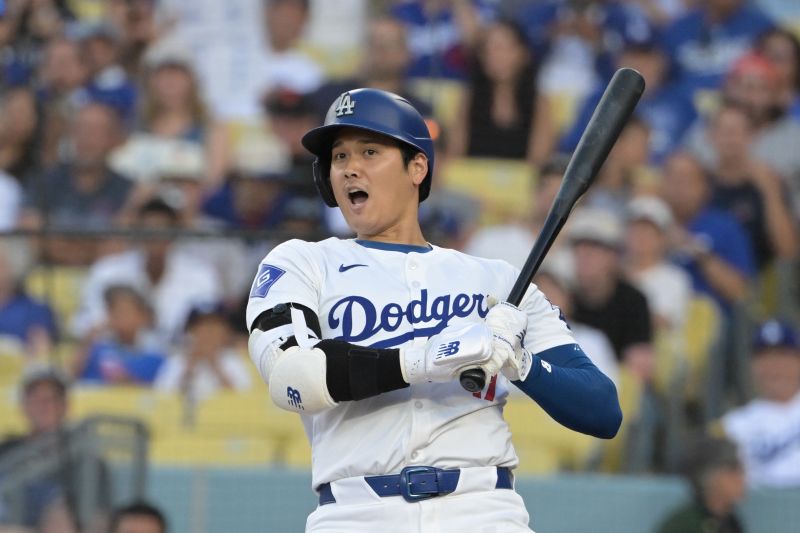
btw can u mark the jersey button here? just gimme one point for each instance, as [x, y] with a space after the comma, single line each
[415, 284]
[418, 404]
[414, 455]
[412, 266]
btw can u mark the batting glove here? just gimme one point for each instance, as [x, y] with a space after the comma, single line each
[446, 354]
[508, 324]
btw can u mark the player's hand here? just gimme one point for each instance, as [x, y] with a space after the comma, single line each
[508, 324]
[446, 354]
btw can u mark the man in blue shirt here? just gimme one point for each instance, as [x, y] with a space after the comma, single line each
[705, 42]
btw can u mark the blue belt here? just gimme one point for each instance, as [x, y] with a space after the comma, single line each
[416, 483]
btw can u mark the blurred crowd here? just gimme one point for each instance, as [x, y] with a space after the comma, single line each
[151, 148]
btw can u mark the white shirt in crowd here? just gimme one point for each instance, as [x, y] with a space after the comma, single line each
[668, 290]
[204, 381]
[768, 436]
[187, 281]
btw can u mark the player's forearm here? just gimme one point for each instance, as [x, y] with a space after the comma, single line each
[573, 391]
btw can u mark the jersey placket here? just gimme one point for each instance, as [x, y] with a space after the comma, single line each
[420, 419]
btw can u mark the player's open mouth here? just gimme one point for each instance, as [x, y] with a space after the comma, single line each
[357, 197]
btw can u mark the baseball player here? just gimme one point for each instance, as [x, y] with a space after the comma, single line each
[365, 338]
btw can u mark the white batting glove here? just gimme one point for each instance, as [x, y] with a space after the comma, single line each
[446, 354]
[508, 324]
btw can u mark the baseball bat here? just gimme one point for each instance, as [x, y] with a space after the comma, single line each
[609, 117]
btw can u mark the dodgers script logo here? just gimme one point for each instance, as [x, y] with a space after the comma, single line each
[358, 319]
[265, 279]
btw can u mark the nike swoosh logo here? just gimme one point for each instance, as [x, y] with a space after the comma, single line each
[345, 268]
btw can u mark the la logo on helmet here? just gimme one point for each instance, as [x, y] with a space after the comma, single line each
[345, 106]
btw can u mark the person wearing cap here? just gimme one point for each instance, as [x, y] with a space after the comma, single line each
[767, 429]
[666, 286]
[44, 404]
[714, 472]
[205, 361]
[603, 298]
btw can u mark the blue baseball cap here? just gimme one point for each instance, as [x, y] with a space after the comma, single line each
[775, 333]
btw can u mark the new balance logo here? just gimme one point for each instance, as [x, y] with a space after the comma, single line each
[345, 268]
[451, 348]
[345, 106]
[294, 398]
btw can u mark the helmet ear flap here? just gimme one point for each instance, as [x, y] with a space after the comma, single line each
[323, 182]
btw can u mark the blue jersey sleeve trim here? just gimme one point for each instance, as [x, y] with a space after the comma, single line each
[573, 391]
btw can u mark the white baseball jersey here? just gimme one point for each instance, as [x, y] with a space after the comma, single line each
[768, 436]
[387, 296]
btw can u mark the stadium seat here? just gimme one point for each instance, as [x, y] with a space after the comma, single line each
[60, 286]
[504, 187]
[11, 420]
[161, 412]
[188, 448]
[542, 444]
[12, 366]
[701, 334]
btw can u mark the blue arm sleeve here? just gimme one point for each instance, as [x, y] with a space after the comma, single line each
[567, 385]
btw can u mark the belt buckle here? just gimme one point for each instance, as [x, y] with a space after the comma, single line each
[405, 483]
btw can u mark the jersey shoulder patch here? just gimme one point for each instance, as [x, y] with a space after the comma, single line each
[265, 279]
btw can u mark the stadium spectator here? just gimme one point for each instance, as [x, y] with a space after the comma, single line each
[625, 173]
[602, 298]
[81, 193]
[753, 84]
[171, 279]
[782, 48]
[503, 113]
[666, 108]
[138, 517]
[286, 65]
[710, 244]
[577, 42]
[135, 21]
[704, 43]
[441, 33]
[385, 66]
[62, 74]
[557, 284]
[27, 324]
[19, 120]
[44, 404]
[766, 428]
[749, 189]
[172, 110]
[206, 361]
[714, 472]
[666, 286]
[289, 115]
[126, 350]
[107, 80]
[257, 193]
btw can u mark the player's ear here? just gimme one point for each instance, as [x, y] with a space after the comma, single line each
[418, 168]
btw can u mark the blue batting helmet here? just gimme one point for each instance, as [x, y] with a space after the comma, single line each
[372, 110]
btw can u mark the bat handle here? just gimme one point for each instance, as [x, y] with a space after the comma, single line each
[473, 379]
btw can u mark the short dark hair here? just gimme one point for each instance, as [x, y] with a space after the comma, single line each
[158, 206]
[138, 508]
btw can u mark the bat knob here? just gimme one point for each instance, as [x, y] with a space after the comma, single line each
[473, 379]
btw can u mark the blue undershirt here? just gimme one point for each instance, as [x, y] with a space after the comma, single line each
[573, 391]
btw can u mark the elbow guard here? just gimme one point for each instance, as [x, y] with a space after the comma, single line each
[297, 381]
